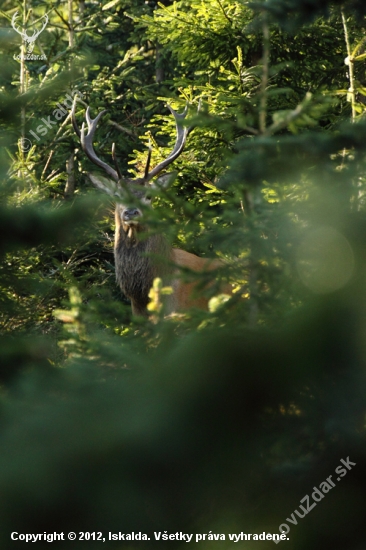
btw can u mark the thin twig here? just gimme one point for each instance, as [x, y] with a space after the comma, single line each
[292, 115]
[224, 12]
[351, 68]
[265, 74]
[47, 163]
[122, 128]
[62, 18]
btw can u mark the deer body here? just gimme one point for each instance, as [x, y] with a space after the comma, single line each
[139, 261]
[140, 257]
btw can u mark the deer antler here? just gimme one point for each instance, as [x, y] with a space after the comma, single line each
[182, 134]
[87, 141]
[87, 145]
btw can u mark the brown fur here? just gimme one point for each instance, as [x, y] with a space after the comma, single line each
[136, 268]
[184, 292]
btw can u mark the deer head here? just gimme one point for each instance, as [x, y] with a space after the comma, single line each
[30, 39]
[120, 187]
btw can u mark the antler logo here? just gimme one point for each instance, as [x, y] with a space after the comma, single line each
[29, 39]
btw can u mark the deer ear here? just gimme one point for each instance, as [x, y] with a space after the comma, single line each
[112, 188]
[165, 181]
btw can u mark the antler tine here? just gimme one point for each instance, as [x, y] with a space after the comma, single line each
[182, 133]
[116, 161]
[146, 173]
[198, 110]
[92, 123]
[87, 141]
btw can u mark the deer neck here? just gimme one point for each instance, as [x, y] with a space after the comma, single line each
[139, 258]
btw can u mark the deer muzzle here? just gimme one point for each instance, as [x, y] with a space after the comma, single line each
[130, 216]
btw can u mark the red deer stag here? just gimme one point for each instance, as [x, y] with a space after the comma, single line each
[139, 260]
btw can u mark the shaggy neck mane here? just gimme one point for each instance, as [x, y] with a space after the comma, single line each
[136, 267]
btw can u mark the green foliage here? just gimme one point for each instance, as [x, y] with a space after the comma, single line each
[199, 421]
